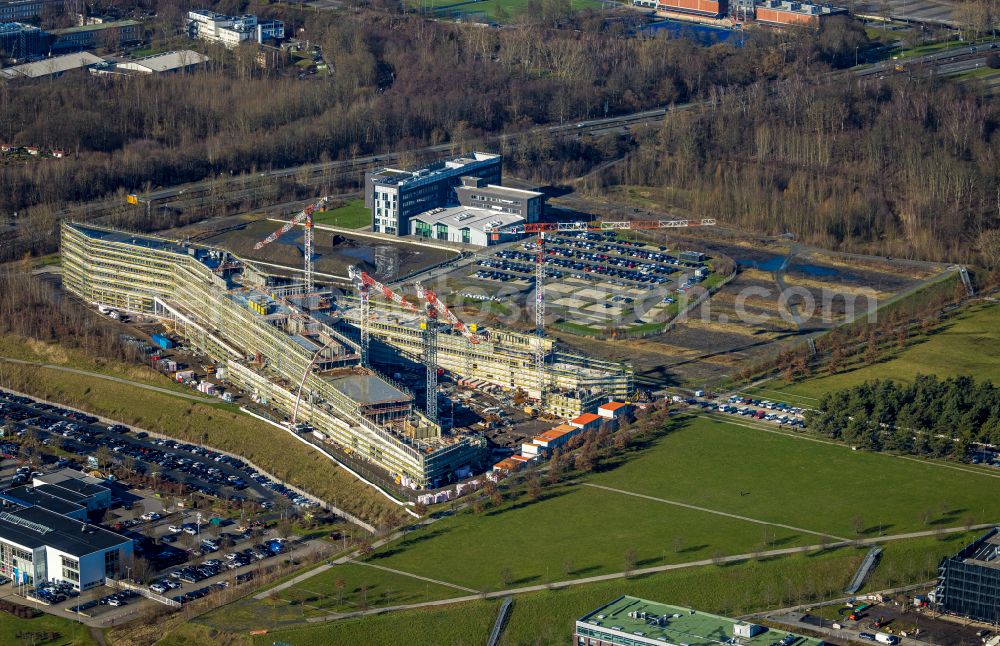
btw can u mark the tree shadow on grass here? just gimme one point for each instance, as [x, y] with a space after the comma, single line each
[408, 542]
[692, 548]
[877, 529]
[547, 495]
[584, 570]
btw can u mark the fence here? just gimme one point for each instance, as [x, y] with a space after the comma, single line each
[144, 591]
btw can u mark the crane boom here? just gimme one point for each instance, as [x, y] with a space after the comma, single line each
[597, 225]
[358, 275]
[303, 216]
[443, 311]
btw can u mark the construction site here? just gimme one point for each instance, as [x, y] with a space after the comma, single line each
[312, 353]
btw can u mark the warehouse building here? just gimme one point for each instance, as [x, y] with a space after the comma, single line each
[54, 66]
[54, 499]
[630, 621]
[969, 582]
[395, 196]
[37, 544]
[180, 61]
[76, 486]
[463, 224]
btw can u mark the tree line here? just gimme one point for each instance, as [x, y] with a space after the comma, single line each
[929, 417]
[896, 166]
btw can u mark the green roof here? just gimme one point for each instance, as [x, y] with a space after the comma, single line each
[630, 620]
[106, 25]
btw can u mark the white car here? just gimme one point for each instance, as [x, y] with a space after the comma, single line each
[151, 515]
[174, 529]
[159, 588]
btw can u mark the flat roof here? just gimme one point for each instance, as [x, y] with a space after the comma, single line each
[586, 418]
[663, 624]
[34, 527]
[159, 244]
[52, 65]
[505, 190]
[612, 405]
[467, 217]
[367, 389]
[30, 496]
[71, 482]
[97, 27]
[451, 167]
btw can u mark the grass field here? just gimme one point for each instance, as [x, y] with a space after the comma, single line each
[579, 530]
[64, 632]
[547, 617]
[353, 215]
[968, 344]
[319, 596]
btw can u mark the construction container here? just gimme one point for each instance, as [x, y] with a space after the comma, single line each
[163, 342]
[184, 375]
[207, 387]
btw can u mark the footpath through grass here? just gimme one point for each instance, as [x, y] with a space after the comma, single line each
[547, 617]
[576, 530]
[967, 344]
[352, 215]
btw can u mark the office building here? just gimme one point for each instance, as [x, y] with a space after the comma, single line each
[475, 192]
[395, 196]
[22, 10]
[969, 582]
[630, 621]
[37, 544]
[109, 35]
[18, 40]
[230, 31]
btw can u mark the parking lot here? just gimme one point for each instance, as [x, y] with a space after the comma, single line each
[195, 468]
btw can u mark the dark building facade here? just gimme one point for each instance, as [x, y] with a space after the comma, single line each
[476, 192]
[969, 582]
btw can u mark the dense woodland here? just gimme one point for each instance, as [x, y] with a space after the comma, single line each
[396, 83]
[929, 417]
[895, 166]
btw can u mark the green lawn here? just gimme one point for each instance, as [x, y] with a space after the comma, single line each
[968, 344]
[804, 483]
[64, 632]
[547, 617]
[318, 596]
[814, 486]
[353, 215]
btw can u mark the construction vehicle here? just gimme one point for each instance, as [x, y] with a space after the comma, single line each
[305, 217]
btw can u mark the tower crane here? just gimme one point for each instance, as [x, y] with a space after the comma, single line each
[304, 216]
[541, 228]
[364, 283]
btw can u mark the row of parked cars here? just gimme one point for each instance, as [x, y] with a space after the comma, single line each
[52, 592]
[281, 489]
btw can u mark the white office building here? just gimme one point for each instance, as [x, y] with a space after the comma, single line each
[230, 31]
[464, 224]
[39, 545]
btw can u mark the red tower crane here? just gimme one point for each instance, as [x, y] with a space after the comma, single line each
[304, 216]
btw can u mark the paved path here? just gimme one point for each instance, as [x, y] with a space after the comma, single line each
[416, 576]
[639, 572]
[127, 382]
[714, 511]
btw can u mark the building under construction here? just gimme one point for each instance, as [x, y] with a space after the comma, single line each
[570, 384]
[301, 352]
[273, 342]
